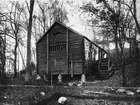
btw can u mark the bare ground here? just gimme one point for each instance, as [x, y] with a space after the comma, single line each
[31, 94]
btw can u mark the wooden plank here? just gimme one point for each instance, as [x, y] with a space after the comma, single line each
[37, 58]
[59, 66]
[47, 54]
[57, 55]
[72, 46]
[77, 58]
[41, 54]
[67, 48]
[83, 43]
[76, 49]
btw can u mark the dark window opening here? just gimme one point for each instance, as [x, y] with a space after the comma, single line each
[57, 47]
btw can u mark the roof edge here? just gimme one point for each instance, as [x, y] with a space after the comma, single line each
[71, 30]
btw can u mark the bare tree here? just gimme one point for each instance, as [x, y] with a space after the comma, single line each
[51, 11]
[14, 25]
[2, 46]
[44, 7]
[28, 64]
[114, 23]
[2, 55]
[14, 19]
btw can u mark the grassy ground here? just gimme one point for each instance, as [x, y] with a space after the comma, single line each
[27, 94]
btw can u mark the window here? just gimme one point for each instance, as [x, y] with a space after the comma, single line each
[57, 47]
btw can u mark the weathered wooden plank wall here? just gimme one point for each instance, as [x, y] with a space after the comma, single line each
[62, 50]
[75, 52]
[57, 50]
[42, 55]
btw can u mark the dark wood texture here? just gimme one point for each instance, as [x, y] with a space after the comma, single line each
[58, 54]
[75, 53]
[42, 55]
[64, 51]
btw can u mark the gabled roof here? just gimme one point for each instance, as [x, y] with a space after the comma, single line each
[70, 30]
[63, 26]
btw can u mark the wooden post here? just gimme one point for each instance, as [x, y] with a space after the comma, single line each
[83, 55]
[67, 48]
[51, 78]
[90, 58]
[53, 65]
[71, 65]
[101, 54]
[36, 59]
[47, 54]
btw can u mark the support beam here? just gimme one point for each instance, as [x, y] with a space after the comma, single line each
[47, 53]
[67, 48]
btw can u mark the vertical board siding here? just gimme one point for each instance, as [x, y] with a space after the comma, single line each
[47, 40]
[64, 51]
[76, 52]
[57, 56]
[67, 49]
[42, 55]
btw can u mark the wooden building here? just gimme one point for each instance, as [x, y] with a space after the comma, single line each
[62, 50]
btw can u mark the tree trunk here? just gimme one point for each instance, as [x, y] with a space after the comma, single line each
[2, 55]
[21, 56]
[44, 22]
[116, 42]
[123, 74]
[122, 66]
[29, 72]
[15, 59]
[130, 44]
[135, 15]
[138, 29]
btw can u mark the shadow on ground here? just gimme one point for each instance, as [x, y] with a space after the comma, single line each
[3, 89]
[54, 98]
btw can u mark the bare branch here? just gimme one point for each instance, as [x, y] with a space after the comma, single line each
[27, 6]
